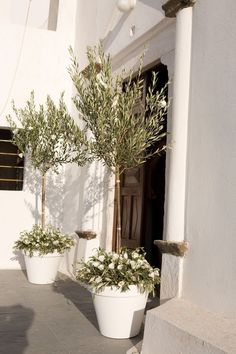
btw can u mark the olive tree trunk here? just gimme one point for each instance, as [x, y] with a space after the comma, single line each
[118, 208]
[43, 200]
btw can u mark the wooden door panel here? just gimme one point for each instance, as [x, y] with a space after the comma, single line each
[131, 202]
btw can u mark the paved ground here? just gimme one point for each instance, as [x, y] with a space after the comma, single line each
[51, 319]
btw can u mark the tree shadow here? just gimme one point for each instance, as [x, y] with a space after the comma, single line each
[54, 195]
[74, 197]
[32, 184]
[85, 198]
[14, 324]
[54, 200]
[78, 295]
[97, 186]
[74, 201]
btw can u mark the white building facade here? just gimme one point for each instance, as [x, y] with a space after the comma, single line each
[196, 41]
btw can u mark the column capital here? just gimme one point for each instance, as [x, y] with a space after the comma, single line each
[171, 7]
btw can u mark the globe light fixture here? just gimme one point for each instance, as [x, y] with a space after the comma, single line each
[126, 5]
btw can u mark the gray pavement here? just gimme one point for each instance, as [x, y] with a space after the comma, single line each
[51, 319]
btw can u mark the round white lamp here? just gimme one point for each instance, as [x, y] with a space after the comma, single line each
[126, 5]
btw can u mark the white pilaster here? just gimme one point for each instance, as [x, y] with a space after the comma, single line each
[172, 266]
[175, 216]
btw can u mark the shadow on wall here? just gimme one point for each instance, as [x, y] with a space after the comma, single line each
[54, 195]
[14, 324]
[85, 205]
[154, 4]
[76, 200]
[111, 36]
[54, 200]
[86, 199]
[32, 184]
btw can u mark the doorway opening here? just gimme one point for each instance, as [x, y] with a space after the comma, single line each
[143, 192]
[154, 187]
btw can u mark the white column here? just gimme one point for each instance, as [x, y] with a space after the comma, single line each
[175, 217]
[172, 266]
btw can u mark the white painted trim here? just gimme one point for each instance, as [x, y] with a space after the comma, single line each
[168, 60]
[175, 217]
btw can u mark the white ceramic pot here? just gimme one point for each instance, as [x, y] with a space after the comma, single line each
[42, 269]
[119, 314]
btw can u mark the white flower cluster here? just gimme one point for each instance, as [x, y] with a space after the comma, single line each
[43, 241]
[128, 267]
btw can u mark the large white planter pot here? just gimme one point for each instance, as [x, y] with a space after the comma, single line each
[119, 314]
[42, 269]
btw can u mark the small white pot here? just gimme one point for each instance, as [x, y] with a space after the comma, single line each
[120, 314]
[42, 269]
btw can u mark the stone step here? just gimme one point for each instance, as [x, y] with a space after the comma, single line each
[179, 327]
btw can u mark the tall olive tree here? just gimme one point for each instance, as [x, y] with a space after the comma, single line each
[49, 136]
[121, 137]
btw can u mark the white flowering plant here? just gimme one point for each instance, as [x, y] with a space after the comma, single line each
[119, 270]
[43, 241]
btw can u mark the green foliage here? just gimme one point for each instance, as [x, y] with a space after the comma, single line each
[49, 135]
[119, 270]
[43, 241]
[122, 135]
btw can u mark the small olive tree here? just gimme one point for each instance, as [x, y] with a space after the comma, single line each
[50, 138]
[121, 137]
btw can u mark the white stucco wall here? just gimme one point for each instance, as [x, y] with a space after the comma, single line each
[210, 266]
[39, 12]
[40, 66]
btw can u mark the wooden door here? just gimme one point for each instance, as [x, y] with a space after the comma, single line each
[142, 194]
[132, 206]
